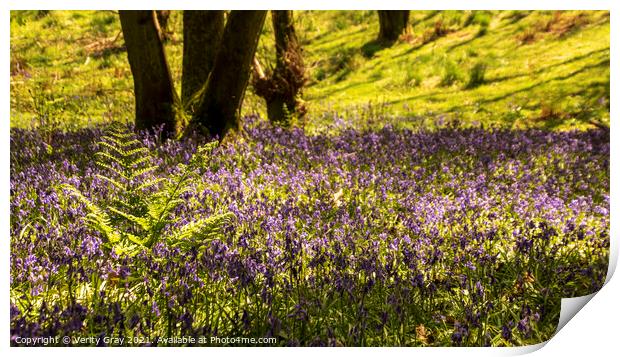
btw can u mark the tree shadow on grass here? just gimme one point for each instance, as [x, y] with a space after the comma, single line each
[604, 62]
[554, 119]
[551, 66]
[371, 47]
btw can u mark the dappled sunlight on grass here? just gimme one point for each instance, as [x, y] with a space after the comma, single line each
[565, 65]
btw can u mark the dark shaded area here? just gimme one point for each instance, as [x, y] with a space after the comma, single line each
[163, 17]
[202, 33]
[392, 23]
[466, 42]
[281, 88]
[108, 51]
[371, 47]
[218, 110]
[153, 89]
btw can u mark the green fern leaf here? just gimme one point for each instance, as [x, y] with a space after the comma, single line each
[106, 166]
[142, 222]
[202, 230]
[115, 183]
[141, 172]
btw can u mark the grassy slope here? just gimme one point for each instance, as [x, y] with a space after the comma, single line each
[559, 80]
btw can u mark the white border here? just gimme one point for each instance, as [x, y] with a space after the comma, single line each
[594, 330]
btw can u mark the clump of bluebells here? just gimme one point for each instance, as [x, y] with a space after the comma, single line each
[450, 237]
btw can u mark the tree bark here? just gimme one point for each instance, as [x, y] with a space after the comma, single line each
[202, 33]
[162, 19]
[153, 89]
[218, 110]
[282, 88]
[284, 31]
[289, 66]
[392, 23]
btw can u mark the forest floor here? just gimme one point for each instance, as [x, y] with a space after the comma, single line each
[515, 69]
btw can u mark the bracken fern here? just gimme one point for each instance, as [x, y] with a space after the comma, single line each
[139, 219]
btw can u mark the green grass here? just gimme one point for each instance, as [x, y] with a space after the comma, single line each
[541, 69]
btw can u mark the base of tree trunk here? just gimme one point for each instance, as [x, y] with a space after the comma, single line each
[392, 23]
[280, 112]
[153, 88]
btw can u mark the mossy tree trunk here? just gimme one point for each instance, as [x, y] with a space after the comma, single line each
[202, 33]
[282, 89]
[153, 89]
[220, 104]
[392, 23]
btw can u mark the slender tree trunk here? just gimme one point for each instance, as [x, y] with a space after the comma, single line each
[284, 31]
[289, 67]
[221, 101]
[153, 89]
[392, 23]
[267, 87]
[202, 33]
[282, 88]
[162, 19]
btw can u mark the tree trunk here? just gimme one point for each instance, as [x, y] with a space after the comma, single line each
[284, 31]
[202, 33]
[221, 101]
[282, 88]
[162, 19]
[289, 66]
[153, 89]
[266, 87]
[392, 23]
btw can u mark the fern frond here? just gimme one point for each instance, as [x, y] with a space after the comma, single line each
[119, 133]
[122, 203]
[202, 230]
[124, 142]
[157, 209]
[115, 183]
[136, 220]
[144, 171]
[142, 222]
[92, 208]
[137, 151]
[121, 248]
[101, 223]
[116, 140]
[140, 161]
[149, 183]
[106, 166]
[114, 148]
[96, 217]
[105, 155]
[135, 239]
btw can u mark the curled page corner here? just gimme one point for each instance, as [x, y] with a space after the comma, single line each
[523, 350]
[613, 258]
[570, 307]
